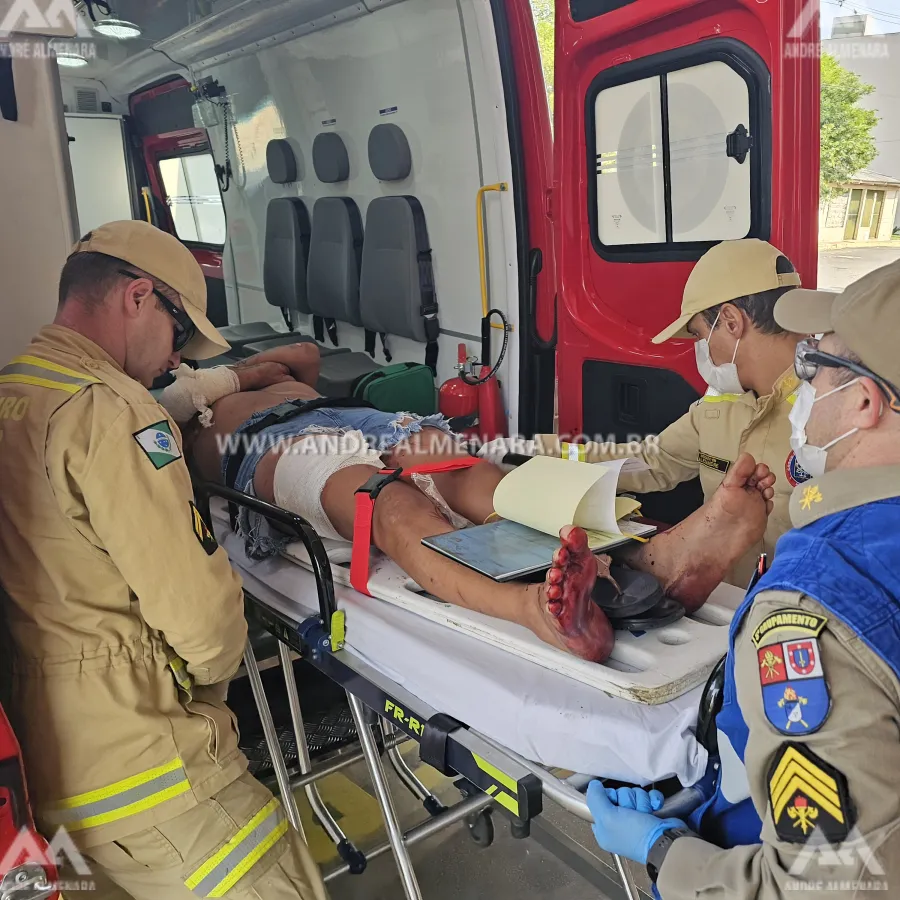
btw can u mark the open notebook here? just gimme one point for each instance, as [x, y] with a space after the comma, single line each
[536, 500]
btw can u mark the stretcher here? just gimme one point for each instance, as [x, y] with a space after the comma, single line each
[498, 719]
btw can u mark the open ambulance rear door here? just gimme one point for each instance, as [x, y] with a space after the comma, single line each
[678, 124]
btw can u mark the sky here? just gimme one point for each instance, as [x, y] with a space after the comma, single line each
[885, 12]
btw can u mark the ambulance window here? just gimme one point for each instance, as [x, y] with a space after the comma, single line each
[630, 185]
[710, 190]
[679, 148]
[192, 192]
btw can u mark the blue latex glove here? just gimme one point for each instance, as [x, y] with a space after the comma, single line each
[624, 823]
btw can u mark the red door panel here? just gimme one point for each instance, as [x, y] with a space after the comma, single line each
[614, 298]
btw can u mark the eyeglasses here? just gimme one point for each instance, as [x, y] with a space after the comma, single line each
[808, 358]
[184, 326]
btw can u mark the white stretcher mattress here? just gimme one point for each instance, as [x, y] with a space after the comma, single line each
[541, 714]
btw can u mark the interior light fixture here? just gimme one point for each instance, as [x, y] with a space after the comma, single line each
[117, 28]
[70, 60]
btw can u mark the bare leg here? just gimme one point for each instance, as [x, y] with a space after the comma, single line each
[560, 611]
[468, 492]
[692, 558]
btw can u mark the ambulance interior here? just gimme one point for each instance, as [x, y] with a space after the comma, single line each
[375, 176]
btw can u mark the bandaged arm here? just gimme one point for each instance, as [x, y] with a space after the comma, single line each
[195, 390]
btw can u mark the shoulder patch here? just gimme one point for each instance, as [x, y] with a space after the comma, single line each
[794, 620]
[201, 530]
[158, 443]
[794, 472]
[795, 694]
[713, 462]
[805, 794]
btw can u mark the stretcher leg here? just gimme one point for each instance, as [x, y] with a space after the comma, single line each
[346, 850]
[432, 805]
[382, 792]
[265, 716]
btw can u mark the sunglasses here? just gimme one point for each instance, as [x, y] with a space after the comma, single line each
[809, 358]
[184, 327]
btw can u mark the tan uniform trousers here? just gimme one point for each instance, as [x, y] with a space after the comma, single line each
[160, 862]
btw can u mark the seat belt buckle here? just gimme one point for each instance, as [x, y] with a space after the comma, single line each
[379, 481]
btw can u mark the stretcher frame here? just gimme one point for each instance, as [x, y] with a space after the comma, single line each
[500, 778]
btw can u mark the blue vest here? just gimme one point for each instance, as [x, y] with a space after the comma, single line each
[849, 562]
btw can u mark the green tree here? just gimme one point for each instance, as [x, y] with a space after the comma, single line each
[847, 144]
[542, 10]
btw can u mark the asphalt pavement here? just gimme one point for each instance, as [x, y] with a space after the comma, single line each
[838, 268]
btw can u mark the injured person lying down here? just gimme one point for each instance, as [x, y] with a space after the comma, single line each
[311, 458]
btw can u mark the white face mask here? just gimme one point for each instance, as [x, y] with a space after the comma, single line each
[724, 378]
[810, 457]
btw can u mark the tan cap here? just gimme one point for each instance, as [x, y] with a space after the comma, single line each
[866, 317]
[725, 272]
[164, 257]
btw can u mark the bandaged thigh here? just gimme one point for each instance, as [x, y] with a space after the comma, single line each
[303, 470]
[195, 390]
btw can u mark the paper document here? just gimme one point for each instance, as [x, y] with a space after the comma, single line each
[547, 493]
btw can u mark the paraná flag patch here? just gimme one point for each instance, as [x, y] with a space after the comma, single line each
[159, 444]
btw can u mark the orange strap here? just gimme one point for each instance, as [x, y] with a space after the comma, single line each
[365, 510]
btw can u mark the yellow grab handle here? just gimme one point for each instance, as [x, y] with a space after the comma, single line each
[479, 210]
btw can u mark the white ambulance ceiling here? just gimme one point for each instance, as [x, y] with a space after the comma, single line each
[179, 33]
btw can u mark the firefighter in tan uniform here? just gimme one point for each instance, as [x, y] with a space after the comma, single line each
[126, 617]
[747, 360]
[805, 797]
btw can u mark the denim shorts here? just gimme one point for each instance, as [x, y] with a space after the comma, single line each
[382, 431]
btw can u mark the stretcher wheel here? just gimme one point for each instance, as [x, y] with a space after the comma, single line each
[481, 828]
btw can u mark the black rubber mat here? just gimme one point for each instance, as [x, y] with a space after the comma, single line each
[326, 716]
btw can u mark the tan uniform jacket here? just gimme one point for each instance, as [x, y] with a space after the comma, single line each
[117, 596]
[705, 441]
[860, 738]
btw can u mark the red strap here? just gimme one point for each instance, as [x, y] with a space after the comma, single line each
[365, 510]
[362, 543]
[451, 465]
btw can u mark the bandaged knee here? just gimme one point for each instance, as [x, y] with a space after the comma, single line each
[195, 390]
[303, 470]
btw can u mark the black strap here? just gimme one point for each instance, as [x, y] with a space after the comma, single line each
[288, 410]
[433, 744]
[384, 347]
[370, 343]
[319, 329]
[429, 307]
[331, 325]
[286, 315]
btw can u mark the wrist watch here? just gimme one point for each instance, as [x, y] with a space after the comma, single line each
[661, 847]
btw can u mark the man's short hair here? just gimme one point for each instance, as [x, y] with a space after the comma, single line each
[89, 276]
[759, 308]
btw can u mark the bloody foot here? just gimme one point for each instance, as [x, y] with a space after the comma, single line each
[571, 618]
[695, 556]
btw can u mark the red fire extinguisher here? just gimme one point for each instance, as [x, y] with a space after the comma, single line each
[473, 404]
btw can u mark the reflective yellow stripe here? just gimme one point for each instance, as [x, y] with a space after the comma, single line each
[224, 869]
[53, 367]
[496, 774]
[124, 798]
[720, 398]
[572, 452]
[40, 382]
[182, 676]
[251, 860]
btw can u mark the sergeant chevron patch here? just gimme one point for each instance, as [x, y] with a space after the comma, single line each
[806, 793]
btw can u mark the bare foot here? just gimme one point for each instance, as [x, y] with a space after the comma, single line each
[692, 558]
[570, 618]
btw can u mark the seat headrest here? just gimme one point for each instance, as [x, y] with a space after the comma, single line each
[330, 159]
[280, 161]
[389, 155]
